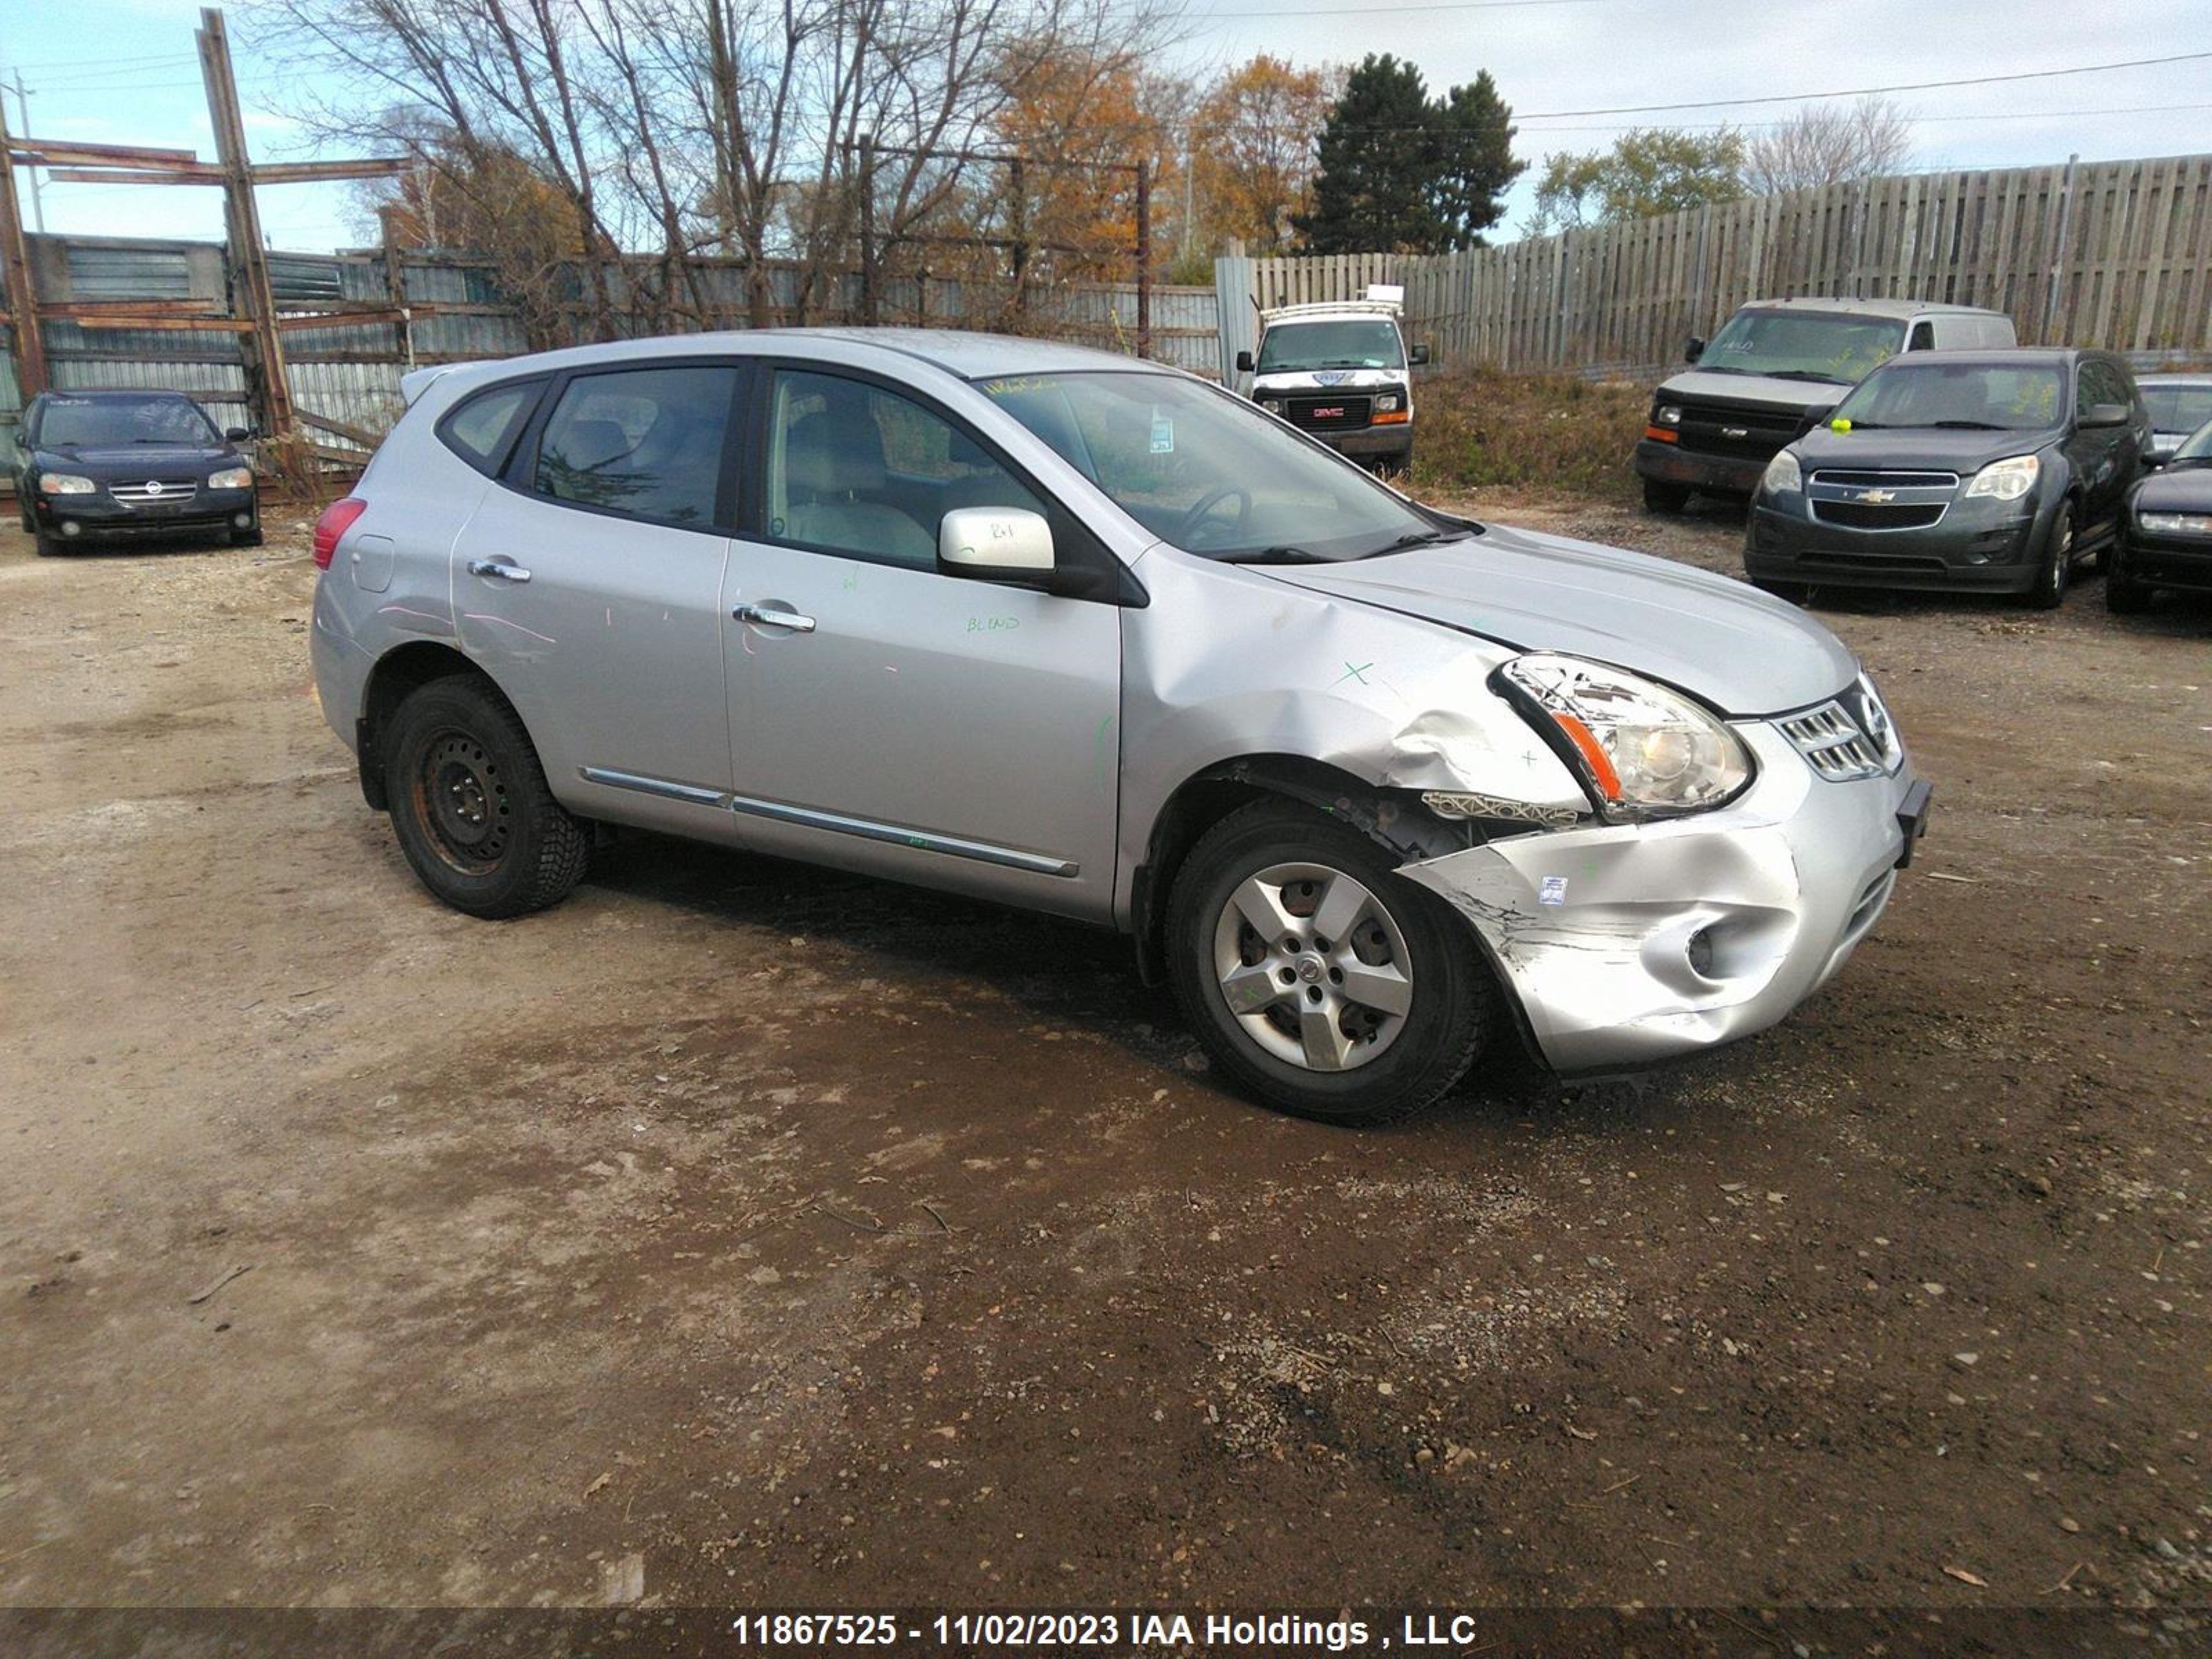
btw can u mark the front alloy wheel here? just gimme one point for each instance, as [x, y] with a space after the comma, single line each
[2057, 568]
[1312, 967]
[1317, 977]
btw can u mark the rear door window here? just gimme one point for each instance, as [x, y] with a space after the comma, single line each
[645, 443]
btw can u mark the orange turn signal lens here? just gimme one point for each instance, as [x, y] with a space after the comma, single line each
[1393, 417]
[1593, 753]
[1665, 434]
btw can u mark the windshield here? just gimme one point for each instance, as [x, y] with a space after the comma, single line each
[1973, 396]
[101, 422]
[1209, 473]
[2196, 447]
[2178, 408]
[1355, 342]
[1804, 345]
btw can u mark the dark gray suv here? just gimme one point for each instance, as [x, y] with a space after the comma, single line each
[1989, 472]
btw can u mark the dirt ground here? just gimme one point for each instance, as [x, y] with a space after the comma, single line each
[744, 1234]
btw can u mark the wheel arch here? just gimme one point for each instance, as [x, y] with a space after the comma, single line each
[1209, 795]
[398, 675]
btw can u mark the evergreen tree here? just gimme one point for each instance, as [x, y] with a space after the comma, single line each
[1475, 164]
[1378, 157]
[1400, 174]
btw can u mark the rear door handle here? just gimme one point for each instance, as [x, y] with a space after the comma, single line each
[504, 570]
[773, 615]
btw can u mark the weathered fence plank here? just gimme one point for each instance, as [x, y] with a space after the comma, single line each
[2107, 253]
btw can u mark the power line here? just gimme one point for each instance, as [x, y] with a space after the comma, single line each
[1867, 92]
[1917, 120]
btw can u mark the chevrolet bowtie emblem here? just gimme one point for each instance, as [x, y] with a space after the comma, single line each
[1876, 497]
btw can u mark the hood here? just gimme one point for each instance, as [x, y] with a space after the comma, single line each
[1734, 648]
[1905, 448]
[1716, 387]
[2184, 488]
[127, 459]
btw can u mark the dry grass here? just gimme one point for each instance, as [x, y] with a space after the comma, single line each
[1540, 432]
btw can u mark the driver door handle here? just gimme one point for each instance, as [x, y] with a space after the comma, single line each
[504, 570]
[774, 615]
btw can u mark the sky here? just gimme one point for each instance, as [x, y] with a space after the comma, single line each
[124, 71]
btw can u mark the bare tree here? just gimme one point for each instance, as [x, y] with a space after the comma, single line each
[1828, 145]
[672, 128]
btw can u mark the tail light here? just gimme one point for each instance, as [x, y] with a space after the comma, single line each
[337, 518]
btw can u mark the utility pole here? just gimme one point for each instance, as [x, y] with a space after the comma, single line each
[23, 121]
[1144, 257]
[868, 273]
[22, 298]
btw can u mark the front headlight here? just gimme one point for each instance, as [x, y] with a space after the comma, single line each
[232, 477]
[1272, 406]
[1668, 415]
[64, 483]
[1644, 751]
[1386, 403]
[1782, 473]
[2175, 523]
[2008, 480]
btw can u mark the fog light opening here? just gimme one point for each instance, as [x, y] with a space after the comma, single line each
[1699, 952]
[72, 528]
[243, 520]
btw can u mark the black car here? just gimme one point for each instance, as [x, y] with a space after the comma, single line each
[95, 464]
[2166, 534]
[1989, 472]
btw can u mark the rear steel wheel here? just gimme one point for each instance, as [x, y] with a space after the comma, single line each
[471, 803]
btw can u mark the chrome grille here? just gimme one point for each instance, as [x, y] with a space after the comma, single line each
[1846, 736]
[1887, 480]
[155, 492]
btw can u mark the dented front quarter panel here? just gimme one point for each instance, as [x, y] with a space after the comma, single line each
[1225, 664]
[1591, 927]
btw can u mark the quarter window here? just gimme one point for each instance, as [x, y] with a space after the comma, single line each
[855, 468]
[483, 430]
[646, 443]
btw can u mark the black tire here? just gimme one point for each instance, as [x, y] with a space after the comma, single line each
[247, 537]
[1660, 496]
[2125, 595]
[499, 845]
[2054, 566]
[50, 546]
[1455, 1005]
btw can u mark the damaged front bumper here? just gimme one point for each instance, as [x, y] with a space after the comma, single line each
[1628, 944]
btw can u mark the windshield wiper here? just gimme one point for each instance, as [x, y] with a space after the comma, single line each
[1968, 426]
[1276, 556]
[1423, 539]
[1798, 374]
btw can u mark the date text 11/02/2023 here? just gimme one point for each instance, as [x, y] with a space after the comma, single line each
[1259, 1632]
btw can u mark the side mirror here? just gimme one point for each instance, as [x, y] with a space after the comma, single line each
[236, 434]
[1243, 362]
[1419, 354]
[2106, 415]
[995, 545]
[1693, 349]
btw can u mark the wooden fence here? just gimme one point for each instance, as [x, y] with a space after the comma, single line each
[2112, 253]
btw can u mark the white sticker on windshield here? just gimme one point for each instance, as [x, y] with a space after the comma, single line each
[1163, 435]
[1552, 891]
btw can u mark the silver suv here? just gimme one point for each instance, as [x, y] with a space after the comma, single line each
[1377, 789]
